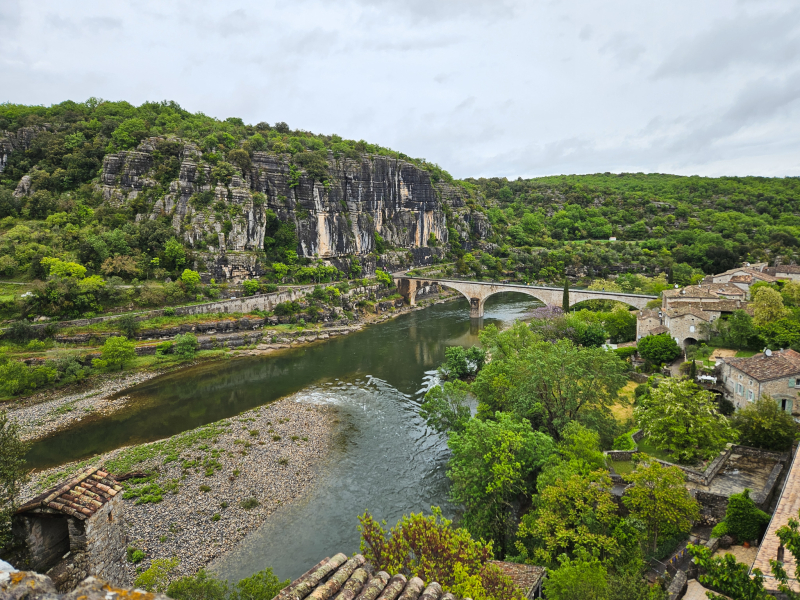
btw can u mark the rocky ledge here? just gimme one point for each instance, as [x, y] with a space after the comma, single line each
[27, 585]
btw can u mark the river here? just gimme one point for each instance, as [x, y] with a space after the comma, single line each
[385, 460]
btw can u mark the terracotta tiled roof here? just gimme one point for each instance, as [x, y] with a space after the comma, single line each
[783, 363]
[527, 577]
[79, 497]
[749, 271]
[692, 291]
[340, 578]
[742, 279]
[788, 269]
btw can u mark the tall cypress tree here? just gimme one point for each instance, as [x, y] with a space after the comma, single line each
[565, 297]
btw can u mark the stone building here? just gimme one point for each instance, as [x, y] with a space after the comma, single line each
[76, 529]
[742, 277]
[711, 295]
[785, 272]
[775, 374]
[687, 324]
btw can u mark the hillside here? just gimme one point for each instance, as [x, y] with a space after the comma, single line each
[140, 193]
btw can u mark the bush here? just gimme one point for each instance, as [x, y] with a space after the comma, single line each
[263, 585]
[271, 287]
[185, 345]
[155, 578]
[169, 312]
[135, 555]
[250, 286]
[249, 503]
[128, 325]
[117, 351]
[658, 349]
[625, 353]
[21, 332]
[163, 348]
[763, 424]
[625, 441]
[743, 518]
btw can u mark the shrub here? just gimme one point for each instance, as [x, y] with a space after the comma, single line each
[185, 345]
[21, 332]
[250, 286]
[163, 348]
[128, 325]
[135, 555]
[271, 287]
[763, 424]
[117, 351]
[156, 577]
[658, 349]
[625, 441]
[743, 518]
[36, 345]
[169, 312]
[625, 353]
[248, 503]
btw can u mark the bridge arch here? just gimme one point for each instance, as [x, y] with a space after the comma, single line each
[476, 292]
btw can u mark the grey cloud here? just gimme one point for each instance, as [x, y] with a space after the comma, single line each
[772, 39]
[624, 48]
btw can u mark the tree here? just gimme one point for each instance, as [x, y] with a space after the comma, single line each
[13, 473]
[659, 498]
[550, 384]
[174, 254]
[729, 577]
[240, 158]
[740, 329]
[680, 417]
[574, 514]
[425, 547]
[280, 270]
[658, 349]
[116, 351]
[584, 577]
[185, 345]
[129, 325]
[445, 407]
[190, 279]
[60, 268]
[250, 286]
[767, 306]
[492, 463]
[461, 362]
[565, 296]
[383, 277]
[762, 424]
[156, 577]
[743, 518]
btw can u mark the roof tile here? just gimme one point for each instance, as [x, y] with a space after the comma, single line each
[79, 497]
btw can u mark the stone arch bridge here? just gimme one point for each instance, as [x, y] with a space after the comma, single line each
[477, 293]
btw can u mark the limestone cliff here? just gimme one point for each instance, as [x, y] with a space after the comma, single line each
[334, 218]
[15, 141]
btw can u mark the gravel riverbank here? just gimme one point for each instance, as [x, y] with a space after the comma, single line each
[216, 483]
[42, 415]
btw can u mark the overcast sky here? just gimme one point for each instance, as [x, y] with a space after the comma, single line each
[482, 87]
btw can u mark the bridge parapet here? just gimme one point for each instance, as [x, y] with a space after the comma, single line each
[477, 292]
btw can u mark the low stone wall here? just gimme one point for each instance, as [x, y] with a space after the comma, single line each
[621, 454]
[764, 496]
[713, 506]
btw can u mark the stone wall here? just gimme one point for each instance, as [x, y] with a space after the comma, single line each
[106, 541]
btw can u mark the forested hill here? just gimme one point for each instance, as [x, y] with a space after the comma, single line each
[109, 183]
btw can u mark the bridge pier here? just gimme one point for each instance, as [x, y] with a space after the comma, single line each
[476, 308]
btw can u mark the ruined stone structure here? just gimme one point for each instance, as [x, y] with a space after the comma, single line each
[477, 292]
[76, 529]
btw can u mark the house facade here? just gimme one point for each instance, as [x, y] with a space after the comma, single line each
[776, 374]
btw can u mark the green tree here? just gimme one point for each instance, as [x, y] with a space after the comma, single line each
[742, 518]
[280, 270]
[680, 417]
[550, 384]
[423, 546]
[13, 473]
[383, 277]
[129, 133]
[658, 349]
[190, 279]
[767, 306]
[250, 286]
[129, 325]
[740, 329]
[584, 577]
[60, 268]
[116, 351]
[185, 345]
[492, 463]
[762, 424]
[658, 497]
[174, 254]
[576, 513]
[728, 577]
[445, 407]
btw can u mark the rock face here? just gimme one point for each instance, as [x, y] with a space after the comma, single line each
[12, 142]
[334, 219]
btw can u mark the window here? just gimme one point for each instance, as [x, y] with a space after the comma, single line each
[739, 388]
[740, 376]
[750, 395]
[691, 329]
[786, 405]
[792, 382]
[750, 382]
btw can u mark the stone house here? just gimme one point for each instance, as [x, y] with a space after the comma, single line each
[742, 277]
[711, 295]
[685, 323]
[785, 272]
[76, 529]
[775, 374]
